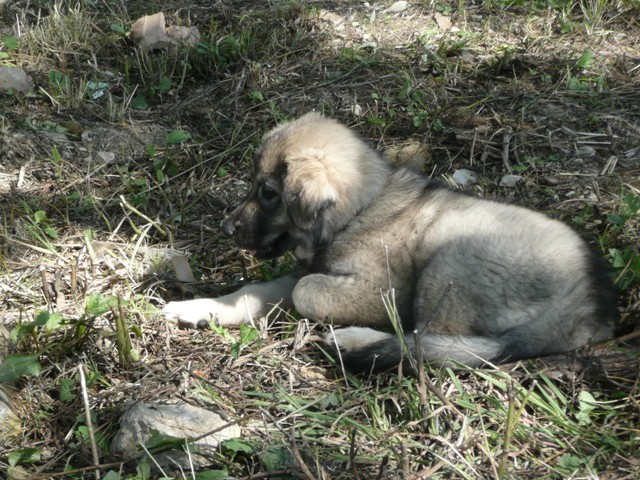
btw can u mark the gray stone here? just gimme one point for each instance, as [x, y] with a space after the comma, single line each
[464, 177]
[510, 180]
[14, 79]
[104, 157]
[179, 421]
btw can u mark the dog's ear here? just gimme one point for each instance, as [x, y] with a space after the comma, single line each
[310, 185]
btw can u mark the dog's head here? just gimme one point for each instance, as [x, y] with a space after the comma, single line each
[312, 176]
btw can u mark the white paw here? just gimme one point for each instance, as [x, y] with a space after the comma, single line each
[352, 339]
[197, 313]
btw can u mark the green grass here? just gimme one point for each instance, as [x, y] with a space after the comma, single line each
[85, 242]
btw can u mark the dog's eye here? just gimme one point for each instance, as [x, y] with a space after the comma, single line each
[267, 193]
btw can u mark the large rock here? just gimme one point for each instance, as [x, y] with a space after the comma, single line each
[14, 80]
[179, 421]
[150, 33]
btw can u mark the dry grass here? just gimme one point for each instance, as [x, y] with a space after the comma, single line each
[506, 90]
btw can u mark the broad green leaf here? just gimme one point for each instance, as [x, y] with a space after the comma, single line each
[16, 366]
[165, 84]
[585, 60]
[98, 304]
[237, 445]
[139, 102]
[248, 333]
[10, 42]
[213, 475]
[26, 455]
[118, 29]
[177, 136]
[111, 475]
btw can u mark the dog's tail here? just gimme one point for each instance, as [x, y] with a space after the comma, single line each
[364, 349]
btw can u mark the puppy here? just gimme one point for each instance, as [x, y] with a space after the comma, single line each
[478, 280]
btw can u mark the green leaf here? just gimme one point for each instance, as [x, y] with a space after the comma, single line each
[51, 232]
[10, 42]
[16, 366]
[39, 216]
[276, 458]
[98, 304]
[139, 102]
[213, 475]
[112, 475]
[58, 80]
[118, 29]
[66, 389]
[53, 322]
[159, 441]
[585, 60]
[222, 172]
[177, 136]
[248, 333]
[237, 445]
[165, 84]
[615, 219]
[26, 455]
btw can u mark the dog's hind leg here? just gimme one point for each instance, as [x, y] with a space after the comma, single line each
[365, 349]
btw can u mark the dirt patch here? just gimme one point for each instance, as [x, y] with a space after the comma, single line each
[97, 194]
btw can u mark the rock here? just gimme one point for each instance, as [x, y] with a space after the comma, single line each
[150, 33]
[9, 423]
[397, 7]
[14, 79]
[464, 177]
[184, 36]
[443, 22]
[586, 151]
[179, 421]
[104, 157]
[510, 180]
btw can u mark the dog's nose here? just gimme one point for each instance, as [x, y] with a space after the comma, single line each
[228, 227]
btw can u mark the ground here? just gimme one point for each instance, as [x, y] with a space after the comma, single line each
[121, 160]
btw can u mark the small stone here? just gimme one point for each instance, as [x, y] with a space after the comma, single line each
[510, 180]
[586, 151]
[444, 22]
[104, 157]
[465, 177]
[397, 7]
[14, 79]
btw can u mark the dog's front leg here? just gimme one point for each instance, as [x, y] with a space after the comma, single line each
[250, 302]
[343, 299]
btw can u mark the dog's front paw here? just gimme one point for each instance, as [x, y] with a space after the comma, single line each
[197, 313]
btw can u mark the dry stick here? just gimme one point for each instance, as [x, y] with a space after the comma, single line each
[335, 342]
[142, 215]
[422, 392]
[353, 450]
[502, 468]
[66, 473]
[383, 467]
[87, 413]
[296, 453]
[506, 139]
